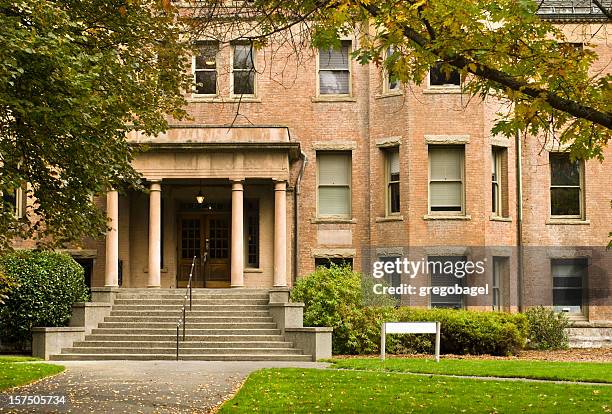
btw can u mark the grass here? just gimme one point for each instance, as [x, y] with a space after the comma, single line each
[20, 370]
[312, 391]
[568, 371]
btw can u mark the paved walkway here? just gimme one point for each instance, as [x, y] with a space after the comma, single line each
[144, 386]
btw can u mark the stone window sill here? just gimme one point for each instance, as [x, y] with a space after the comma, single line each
[388, 94]
[334, 98]
[561, 221]
[503, 219]
[220, 99]
[332, 220]
[389, 218]
[443, 90]
[446, 217]
[253, 270]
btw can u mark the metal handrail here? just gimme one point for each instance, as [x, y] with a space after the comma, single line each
[182, 319]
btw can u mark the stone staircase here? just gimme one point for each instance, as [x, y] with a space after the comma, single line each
[223, 325]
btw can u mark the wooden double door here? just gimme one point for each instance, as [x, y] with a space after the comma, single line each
[207, 237]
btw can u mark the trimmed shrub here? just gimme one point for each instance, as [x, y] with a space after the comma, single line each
[334, 297]
[465, 332]
[47, 285]
[547, 329]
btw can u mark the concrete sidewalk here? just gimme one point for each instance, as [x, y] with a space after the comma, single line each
[143, 386]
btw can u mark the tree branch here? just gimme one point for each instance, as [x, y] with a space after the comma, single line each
[460, 62]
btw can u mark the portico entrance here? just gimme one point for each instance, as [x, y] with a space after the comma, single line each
[200, 233]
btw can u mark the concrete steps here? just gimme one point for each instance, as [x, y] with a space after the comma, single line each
[222, 325]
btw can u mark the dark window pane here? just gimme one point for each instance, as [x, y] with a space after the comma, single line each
[394, 197]
[563, 171]
[207, 57]
[244, 83]
[564, 282]
[567, 297]
[565, 201]
[206, 82]
[243, 57]
[327, 262]
[439, 78]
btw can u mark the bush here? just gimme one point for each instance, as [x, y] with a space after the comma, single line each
[334, 297]
[547, 329]
[47, 285]
[466, 332]
[7, 286]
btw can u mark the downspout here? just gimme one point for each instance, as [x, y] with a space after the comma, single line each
[519, 218]
[296, 218]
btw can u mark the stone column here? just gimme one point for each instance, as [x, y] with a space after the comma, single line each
[154, 235]
[111, 270]
[237, 251]
[280, 233]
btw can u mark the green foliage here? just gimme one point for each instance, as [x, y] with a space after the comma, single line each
[547, 329]
[49, 283]
[334, 297]
[502, 49]
[75, 78]
[7, 285]
[467, 332]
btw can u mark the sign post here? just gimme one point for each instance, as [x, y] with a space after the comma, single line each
[409, 328]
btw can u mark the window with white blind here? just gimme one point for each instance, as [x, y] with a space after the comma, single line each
[446, 179]
[334, 184]
[393, 181]
[565, 186]
[500, 277]
[569, 276]
[243, 69]
[335, 70]
[441, 279]
[205, 68]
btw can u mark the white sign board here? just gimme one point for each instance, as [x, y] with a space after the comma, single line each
[409, 328]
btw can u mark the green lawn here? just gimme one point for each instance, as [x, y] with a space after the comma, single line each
[570, 371]
[18, 370]
[312, 391]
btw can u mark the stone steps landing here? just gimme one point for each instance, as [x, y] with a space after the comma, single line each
[590, 335]
[223, 325]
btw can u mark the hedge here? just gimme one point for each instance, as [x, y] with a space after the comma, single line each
[48, 284]
[334, 297]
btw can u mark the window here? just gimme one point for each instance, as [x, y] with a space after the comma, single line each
[500, 274]
[496, 182]
[205, 68]
[390, 81]
[334, 184]
[568, 280]
[243, 70]
[392, 279]
[393, 181]
[16, 201]
[444, 75]
[252, 222]
[334, 70]
[327, 262]
[565, 186]
[439, 278]
[446, 179]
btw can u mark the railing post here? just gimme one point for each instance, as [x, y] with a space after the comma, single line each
[177, 342]
[190, 297]
[183, 323]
